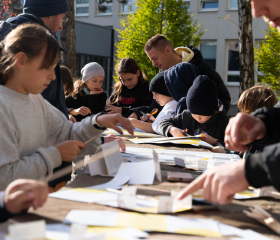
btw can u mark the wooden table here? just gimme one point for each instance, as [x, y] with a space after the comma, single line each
[56, 209]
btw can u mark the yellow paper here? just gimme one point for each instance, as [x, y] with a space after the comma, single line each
[151, 222]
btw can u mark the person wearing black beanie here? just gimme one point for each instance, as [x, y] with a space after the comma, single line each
[163, 98]
[201, 117]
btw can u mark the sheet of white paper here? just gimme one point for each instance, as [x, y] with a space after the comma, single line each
[168, 155]
[114, 159]
[81, 196]
[165, 204]
[129, 233]
[29, 230]
[132, 158]
[139, 172]
[202, 164]
[92, 217]
[97, 167]
[116, 183]
[177, 223]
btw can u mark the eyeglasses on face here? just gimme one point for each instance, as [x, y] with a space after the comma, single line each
[65, 18]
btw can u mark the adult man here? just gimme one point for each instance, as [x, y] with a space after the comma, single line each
[50, 14]
[20, 195]
[162, 54]
[261, 169]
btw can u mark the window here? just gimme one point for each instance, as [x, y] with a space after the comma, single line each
[209, 52]
[187, 3]
[129, 7]
[81, 7]
[233, 4]
[233, 62]
[104, 8]
[209, 5]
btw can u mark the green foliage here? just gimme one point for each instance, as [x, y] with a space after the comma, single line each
[268, 58]
[168, 17]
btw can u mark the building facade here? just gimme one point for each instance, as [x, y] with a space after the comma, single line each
[219, 43]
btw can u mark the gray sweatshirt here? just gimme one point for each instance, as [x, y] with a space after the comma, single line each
[30, 127]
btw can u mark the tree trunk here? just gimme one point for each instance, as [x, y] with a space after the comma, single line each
[246, 53]
[68, 41]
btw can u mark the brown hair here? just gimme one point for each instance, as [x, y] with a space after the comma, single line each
[256, 97]
[159, 41]
[126, 65]
[67, 79]
[78, 87]
[31, 40]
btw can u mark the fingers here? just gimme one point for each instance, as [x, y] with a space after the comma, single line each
[29, 193]
[192, 187]
[84, 111]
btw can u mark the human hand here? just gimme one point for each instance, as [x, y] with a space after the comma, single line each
[144, 117]
[111, 138]
[24, 193]
[133, 115]
[176, 132]
[152, 118]
[82, 110]
[111, 109]
[111, 121]
[219, 183]
[69, 149]
[243, 129]
[100, 90]
[207, 138]
[72, 119]
[218, 149]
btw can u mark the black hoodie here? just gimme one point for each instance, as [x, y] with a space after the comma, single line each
[206, 68]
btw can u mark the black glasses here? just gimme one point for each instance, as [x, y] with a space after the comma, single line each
[65, 18]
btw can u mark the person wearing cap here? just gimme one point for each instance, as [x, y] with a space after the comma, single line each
[51, 14]
[202, 115]
[88, 96]
[163, 98]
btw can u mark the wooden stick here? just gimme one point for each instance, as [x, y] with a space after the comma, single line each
[79, 164]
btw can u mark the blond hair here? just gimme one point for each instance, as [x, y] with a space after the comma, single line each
[256, 97]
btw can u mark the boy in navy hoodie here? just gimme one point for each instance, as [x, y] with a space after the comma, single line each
[202, 115]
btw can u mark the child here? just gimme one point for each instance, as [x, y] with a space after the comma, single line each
[163, 98]
[68, 85]
[201, 116]
[34, 134]
[131, 91]
[88, 96]
[252, 99]
[256, 97]
[67, 80]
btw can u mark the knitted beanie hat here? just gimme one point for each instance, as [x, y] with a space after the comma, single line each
[179, 79]
[158, 85]
[45, 8]
[202, 98]
[91, 70]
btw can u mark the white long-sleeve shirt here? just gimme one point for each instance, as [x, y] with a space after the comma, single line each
[168, 110]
